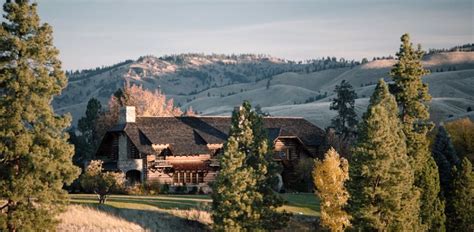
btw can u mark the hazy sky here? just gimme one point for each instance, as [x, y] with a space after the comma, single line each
[91, 33]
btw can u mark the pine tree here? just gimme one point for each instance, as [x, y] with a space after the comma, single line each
[266, 171]
[460, 203]
[329, 176]
[431, 198]
[412, 98]
[87, 125]
[35, 157]
[346, 120]
[243, 199]
[446, 158]
[381, 187]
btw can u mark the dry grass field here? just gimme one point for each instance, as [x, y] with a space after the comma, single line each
[166, 213]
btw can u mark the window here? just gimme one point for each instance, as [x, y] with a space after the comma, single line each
[201, 177]
[282, 155]
[188, 177]
[288, 153]
[292, 154]
[175, 177]
[194, 177]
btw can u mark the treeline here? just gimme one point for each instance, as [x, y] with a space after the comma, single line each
[460, 48]
[312, 99]
[87, 73]
[445, 69]
[238, 67]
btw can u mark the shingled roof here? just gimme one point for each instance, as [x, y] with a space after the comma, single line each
[190, 135]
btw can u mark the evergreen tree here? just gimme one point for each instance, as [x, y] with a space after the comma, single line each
[412, 98]
[35, 157]
[381, 187]
[445, 157]
[346, 120]
[460, 203]
[329, 176]
[243, 198]
[259, 111]
[431, 198]
[87, 125]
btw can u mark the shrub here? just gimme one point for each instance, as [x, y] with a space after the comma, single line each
[165, 189]
[194, 190]
[101, 183]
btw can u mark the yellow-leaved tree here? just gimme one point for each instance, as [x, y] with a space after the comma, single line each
[146, 102]
[462, 135]
[329, 176]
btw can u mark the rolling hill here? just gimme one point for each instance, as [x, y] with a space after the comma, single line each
[214, 84]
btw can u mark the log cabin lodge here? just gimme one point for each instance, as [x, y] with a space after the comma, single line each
[183, 150]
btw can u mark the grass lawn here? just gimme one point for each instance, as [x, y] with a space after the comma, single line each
[299, 204]
[167, 212]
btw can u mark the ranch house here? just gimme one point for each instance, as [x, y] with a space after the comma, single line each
[183, 150]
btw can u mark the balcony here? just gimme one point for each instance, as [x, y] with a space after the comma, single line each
[214, 163]
[162, 164]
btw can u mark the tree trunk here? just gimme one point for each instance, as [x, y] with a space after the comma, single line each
[10, 226]
[102, 199]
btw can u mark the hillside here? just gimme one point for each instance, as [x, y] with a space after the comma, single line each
[214, 84]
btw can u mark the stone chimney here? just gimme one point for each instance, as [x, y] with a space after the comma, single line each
[127, 114]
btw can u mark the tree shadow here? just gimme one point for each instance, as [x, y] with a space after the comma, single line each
[162, 203]
[152, 220]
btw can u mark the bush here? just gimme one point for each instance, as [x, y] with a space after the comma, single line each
[194, 190]
[101, 183]
[135, 190]
[165, 189]
[180, 189]
[153, 188]
[304, 181]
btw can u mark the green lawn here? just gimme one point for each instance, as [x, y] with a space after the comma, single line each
[299, 204]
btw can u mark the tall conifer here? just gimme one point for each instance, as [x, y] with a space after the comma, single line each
[243, 198]
[266, 171]
[35, 158]
[346, 120]
[446, 158]
[412, 98]
[381, 187]
[89, 139]
[460, 203]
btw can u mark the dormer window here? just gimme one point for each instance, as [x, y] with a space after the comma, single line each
[282, 155]
[165, 152]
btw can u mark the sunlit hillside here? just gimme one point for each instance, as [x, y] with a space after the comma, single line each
[214, 84]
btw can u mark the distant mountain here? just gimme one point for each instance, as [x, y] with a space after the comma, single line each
[214, 84]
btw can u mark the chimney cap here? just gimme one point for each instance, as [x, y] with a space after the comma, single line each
[127, 114]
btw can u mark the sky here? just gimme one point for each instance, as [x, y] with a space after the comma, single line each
[92, 33]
